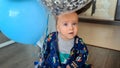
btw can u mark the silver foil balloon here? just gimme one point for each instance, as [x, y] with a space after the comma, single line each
[64, 6]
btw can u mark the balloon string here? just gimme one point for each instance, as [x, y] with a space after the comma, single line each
[47, 24]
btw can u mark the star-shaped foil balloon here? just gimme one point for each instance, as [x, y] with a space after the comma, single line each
[64, 6]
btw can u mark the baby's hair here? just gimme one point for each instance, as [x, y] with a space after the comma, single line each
[56, 17]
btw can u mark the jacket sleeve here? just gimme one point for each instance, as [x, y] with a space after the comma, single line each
[79, 57]
[45, 50]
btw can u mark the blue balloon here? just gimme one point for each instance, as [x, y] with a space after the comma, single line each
[23, 21]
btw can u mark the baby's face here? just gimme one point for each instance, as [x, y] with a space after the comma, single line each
[67, 25]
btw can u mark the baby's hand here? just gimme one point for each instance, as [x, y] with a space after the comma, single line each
[59, 67]
[40, 60]
[67, 66]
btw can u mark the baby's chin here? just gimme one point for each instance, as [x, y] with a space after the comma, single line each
[69, 38]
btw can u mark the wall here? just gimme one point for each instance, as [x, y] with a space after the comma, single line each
[105, 9]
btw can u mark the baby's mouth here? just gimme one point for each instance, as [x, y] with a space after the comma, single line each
[71, 33]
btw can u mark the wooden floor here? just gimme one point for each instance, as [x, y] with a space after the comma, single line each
[23, 56]
[18, 56]
[103, 58]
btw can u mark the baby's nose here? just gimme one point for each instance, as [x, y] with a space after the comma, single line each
[71, 27]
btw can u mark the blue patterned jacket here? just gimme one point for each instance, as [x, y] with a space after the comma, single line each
[77, 58]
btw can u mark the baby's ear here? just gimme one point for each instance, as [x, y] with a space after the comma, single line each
[58, 28]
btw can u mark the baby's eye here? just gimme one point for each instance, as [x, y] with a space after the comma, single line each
[74, 24]
[65, 24]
